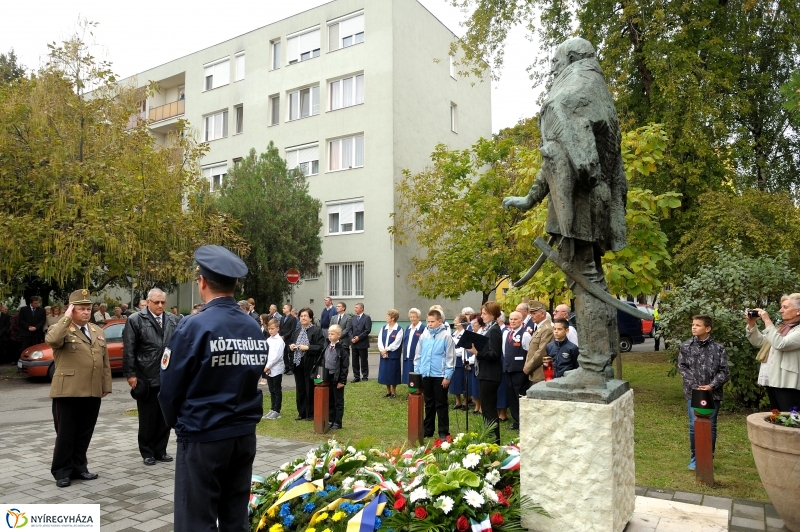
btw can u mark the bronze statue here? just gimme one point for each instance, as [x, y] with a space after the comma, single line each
[582, 176]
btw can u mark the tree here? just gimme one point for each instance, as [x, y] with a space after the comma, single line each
[722, 290]
[467, 241]
[9, 68]
[87, 199]
[278, 218]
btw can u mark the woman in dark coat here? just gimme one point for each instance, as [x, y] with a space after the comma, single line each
[305, 348]
[489, 367]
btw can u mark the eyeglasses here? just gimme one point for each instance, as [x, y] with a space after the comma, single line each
[158, 302]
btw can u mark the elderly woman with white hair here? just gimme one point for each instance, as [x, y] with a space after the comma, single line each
[784, 353]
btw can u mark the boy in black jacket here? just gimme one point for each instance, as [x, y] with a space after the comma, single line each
[336, 358]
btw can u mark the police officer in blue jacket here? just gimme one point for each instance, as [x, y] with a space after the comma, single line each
[209, 394]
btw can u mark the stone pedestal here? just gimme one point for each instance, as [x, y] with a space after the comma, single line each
[577, 462]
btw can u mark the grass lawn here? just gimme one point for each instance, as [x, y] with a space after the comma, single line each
[660, 430]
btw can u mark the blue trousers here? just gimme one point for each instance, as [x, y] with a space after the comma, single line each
[713, 425]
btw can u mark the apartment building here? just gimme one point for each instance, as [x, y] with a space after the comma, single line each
[352, 92]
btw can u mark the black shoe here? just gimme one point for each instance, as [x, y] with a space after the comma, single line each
[288, 372]
[365, 379]
[164, 458]
[514, 426]
[356, 380]
[299, 418]
[149, 461]
[456, 407]
[476, 413]
[394, 396]
[335, 426]
[63, 482]
[387, 395]
[309, 419]
[85, 475]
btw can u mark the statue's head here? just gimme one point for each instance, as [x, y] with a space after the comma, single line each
[570, 51]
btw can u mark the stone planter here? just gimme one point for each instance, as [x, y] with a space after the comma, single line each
[776, 451]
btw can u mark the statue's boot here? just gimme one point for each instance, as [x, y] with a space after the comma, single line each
[579, 378]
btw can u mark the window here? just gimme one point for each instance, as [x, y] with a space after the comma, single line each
[216, 126]
[452, 67]
[304, 103]
[217, 74]
[453, 118]
[274, 110]
[303, 46]
[345, 279]
[276, 55]
[237, 160]
[346, 92]
[346, 153]
[239, 118]
[113, 333]
[346, 31]
[345, 217]
[239, 66]
[305, 157]
[215, 174]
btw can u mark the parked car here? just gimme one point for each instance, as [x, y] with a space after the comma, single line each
[37, 360]
[630, 330]
[647, 325]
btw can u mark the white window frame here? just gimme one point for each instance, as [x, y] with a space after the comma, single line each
[210, 171]
[337, 96]
[274, 109]
[296, 156]
[223, 128]
[220, 72]
[297, 46]
[453, 117]
[346, 212]
[275, 53]
[238, 113]
[337, 148]
[338, 37]
[339, 287]
[239, 63]
[294, 99]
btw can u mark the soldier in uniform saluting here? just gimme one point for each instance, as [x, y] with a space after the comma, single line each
[209, 394]
[82, 376]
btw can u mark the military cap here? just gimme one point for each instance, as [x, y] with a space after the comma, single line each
[535, 305]
[219, 264]
[80, 297]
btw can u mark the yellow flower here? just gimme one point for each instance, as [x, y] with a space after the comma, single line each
[321, 517]
[272, 511]
[310, 530]
[262, 522]
[338, 516]
[277, 527]
[327, 530]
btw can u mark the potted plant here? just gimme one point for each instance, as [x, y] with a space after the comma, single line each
[775, 441]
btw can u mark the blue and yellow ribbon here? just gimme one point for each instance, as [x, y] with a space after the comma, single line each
[300, 487]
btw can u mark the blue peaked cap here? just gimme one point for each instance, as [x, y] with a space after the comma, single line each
[219, 264]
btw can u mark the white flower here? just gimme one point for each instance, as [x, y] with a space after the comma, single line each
[308, 474]
[379, 467]
[351, 450]
[419, 494]
[311, 458]
[346, 483]
[299, 465]
[454, 465]
[471, 460]
[445, 445]
[489, 493]
[416, 482]
[359, 485]
[282, 476]
[285, 467]
[445, 503]
[473, 498]
[453, 452]
[493, 477]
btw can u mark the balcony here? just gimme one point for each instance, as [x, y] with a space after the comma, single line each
[170, 110]
[136, 119]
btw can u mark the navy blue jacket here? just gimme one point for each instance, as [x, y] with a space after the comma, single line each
[564, 355]
[210, 372]
[361, 328]
[325, 317]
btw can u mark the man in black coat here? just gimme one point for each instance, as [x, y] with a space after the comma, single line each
[286, 327]
[360, 329]
[5, 333]
[144, 338]
[31, 324]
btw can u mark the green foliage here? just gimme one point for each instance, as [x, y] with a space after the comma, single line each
[10, 70]
[86, 198]
[722, 290]
[791, 91]
[278, 219]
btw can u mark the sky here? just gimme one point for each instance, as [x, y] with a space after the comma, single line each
[146, 33]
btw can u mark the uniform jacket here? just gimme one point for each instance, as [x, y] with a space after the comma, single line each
[342, 361]
[514, 349]
[143, 343]
[703, 363]
[564, 355]
[489, 360]
[344, 322]
[210, 373]
[412, 336]
[436, 354]
[537, 350]
[82, 368]
[286, 327]
[784, 355]
[31, 317]
[361, 328]
[391, 340]
[316, 342]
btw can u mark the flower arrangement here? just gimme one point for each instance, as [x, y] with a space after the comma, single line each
[460, 484]
[792, 419]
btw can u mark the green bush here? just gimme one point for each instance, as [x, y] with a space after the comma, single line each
[723, 290]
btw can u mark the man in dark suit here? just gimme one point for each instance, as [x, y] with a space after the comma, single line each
[360, 329]
[31, 323]
[5, 333]
[342, 319]
[286, 327]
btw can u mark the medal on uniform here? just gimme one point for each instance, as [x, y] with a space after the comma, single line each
[165, 358]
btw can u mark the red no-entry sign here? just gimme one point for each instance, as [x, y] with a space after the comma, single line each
[292, 276]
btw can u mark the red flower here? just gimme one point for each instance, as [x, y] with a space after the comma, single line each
[449, 439]
[462, 524]
[775, 411]
[399, 504]
[437, 443]
[502, 500]
[420, 512]
[496, 519]
[508, 491]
